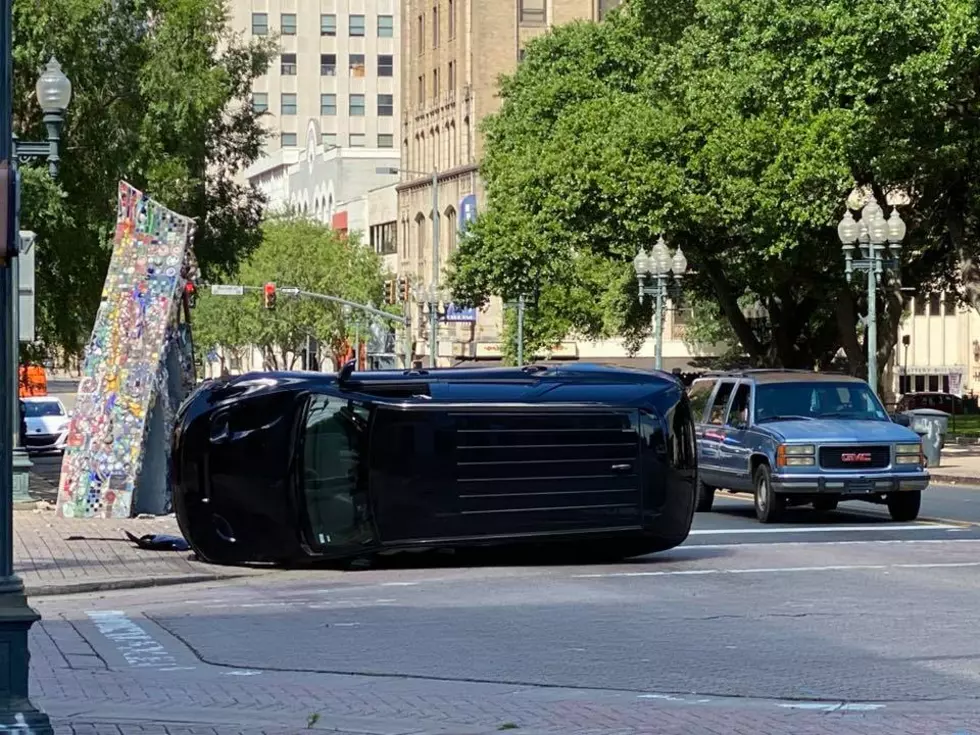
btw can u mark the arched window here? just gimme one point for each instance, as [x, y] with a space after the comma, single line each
[420, 227]
[437, 151]
[449, 228]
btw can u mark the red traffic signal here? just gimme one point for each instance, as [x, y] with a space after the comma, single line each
[270, 296]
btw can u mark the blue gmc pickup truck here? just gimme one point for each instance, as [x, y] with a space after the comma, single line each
[796, 438]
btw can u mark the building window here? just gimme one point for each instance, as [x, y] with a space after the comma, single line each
[288, 103]
[605, 6]
[356, 25]
[520, 55]
[356, 65]
[421, 34]
[288, 140]
[357, 140]
[386, 65]
[329, 140]
[328, 104]
[287, 65]
[260, 24]
[383, 238]
[357, 105]
[532, 12]
[452, 75]
[328, 65]
[934, 302]
[287, 22]
[386, 140]
[421, 88]
[386, 105]
[386, 26]
[328, 25]
[435, 27]
[452, 19]
[435, 83]
[260, 101]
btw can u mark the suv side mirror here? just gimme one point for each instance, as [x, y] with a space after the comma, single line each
[901, 419]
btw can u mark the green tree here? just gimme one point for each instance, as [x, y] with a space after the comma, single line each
[294, 252]
[161, 99]
[736, 128]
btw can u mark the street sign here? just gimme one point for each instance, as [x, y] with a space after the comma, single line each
[289, 291]
[24, 271]
[467, 211]
[459, 314]
[218, 289]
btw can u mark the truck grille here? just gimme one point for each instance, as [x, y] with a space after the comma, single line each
[855, 458]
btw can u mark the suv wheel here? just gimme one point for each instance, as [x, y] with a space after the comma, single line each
[769, 505]
[904, 506]
[704, 496]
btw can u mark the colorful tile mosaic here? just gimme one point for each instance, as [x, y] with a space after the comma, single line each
[125, 376]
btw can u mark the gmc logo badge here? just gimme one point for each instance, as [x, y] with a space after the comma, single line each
[855, 457]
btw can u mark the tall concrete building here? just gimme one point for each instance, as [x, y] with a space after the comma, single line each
[338, 63]
[453, 52]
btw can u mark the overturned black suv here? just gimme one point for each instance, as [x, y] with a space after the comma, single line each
[287, 467]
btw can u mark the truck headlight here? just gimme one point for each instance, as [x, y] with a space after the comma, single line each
[908, 453]
[795, 455]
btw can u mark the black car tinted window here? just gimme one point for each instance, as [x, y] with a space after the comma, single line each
[720, 404]
[699, 394]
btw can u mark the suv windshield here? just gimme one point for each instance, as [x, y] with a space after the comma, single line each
[36, 409]
[817, 400]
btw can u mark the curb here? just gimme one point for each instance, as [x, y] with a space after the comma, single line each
[953, 480]
[127, 583]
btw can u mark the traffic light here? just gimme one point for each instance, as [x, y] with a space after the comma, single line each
[391, 292]
[270, 296]
[403, 290]
[191, 292]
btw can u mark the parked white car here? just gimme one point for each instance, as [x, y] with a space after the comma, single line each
[47, 424]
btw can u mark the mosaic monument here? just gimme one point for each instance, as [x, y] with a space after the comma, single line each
[138, 367]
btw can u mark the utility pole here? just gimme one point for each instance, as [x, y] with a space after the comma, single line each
[434, 293]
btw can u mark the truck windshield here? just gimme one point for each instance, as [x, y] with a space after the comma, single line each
[817, 400]
[332, 452]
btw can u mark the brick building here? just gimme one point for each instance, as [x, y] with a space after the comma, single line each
[452, 53]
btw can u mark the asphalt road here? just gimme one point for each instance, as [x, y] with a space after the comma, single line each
[841, 622]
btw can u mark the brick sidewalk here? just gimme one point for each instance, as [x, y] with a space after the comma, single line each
[64, 555]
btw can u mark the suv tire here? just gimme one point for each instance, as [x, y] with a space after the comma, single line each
[704, 496]
[769, 505]
[904, 506]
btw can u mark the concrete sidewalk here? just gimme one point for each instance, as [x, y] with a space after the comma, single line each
[68, 555]
[958, 465]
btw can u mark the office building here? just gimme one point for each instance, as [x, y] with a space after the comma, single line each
[338, 63]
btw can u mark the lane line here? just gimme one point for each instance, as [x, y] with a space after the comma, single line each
[869, 542]
[135, 645]
[777, 570]
[820, 529]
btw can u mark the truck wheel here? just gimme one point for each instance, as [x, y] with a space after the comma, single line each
[904, 506]
[769, 505]
[704, 496]
[826, 504]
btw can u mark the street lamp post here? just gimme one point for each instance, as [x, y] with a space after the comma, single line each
[53, 89]
[433, 306]
[654, 273]
[880, 243]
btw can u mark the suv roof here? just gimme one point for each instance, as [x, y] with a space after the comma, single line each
[783, 376]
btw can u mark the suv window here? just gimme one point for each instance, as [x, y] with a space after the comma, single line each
[699, 394]
[717, 414]
[738, 414]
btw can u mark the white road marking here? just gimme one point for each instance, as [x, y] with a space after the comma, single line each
[399, 584]
[242, 672]
[777, 570]
[821, 529]
[871, 542]
[138, 647]
[842, 707]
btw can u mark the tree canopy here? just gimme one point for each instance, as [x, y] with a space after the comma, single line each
[308, 255]
[161, 98]
[737, 128]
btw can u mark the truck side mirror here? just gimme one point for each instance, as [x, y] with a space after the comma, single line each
[901, 419]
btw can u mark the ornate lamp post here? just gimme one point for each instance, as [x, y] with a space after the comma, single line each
[17, 714]
[654, 272]
[880, 244]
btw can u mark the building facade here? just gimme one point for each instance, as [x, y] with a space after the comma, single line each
[338, 62]
[453, 52]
